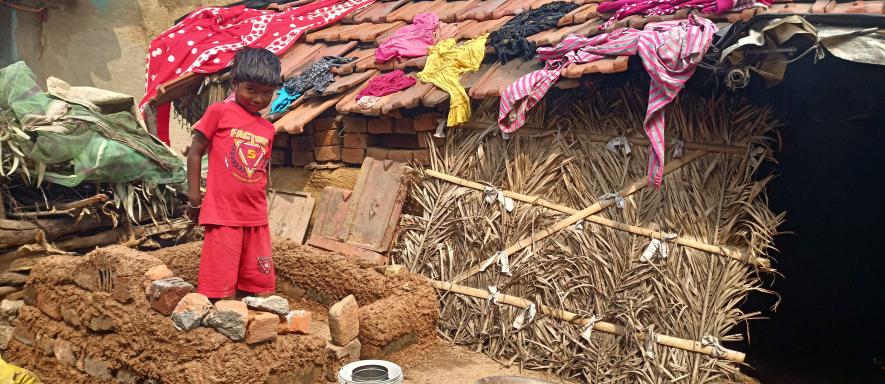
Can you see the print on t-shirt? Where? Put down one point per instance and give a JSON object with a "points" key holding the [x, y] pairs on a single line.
{"points": [[247, 154]]}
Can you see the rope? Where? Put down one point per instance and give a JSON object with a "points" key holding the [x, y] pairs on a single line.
{"points": [[21, 7]]}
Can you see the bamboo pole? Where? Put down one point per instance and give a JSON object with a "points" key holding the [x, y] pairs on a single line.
{"points": [[634, 140], [740, 255], [602, 326], [578, 216]]}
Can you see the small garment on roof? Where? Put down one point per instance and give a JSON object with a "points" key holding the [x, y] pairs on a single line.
{"points": [[625, 8], [670, 52], [409, 41], [383, 85], [445, 65], [444, 31], [315, 78], [510, 40]]}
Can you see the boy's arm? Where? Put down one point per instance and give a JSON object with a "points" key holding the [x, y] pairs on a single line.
{"points": [[194, 166]]}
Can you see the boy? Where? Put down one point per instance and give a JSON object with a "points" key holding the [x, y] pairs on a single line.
{"points": [[236, 249]]}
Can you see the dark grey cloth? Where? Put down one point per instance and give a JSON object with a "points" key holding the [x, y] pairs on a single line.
{"points": [[510, 40], [316, 77]]}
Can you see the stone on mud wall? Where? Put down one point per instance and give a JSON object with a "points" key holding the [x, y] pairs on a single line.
{"points": [[101, 323], [45, 343], [273, 304], [158, 272], [9, 309], [25, 335], [190, 311], [344, 321], [228, 317], [97, 368], [297, 321], [347, 353], [6, 334], [64, 352], [262, 327], [70, 316], [127, 376], [165, 294]]}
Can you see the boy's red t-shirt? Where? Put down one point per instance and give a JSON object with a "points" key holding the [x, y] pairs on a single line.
{"points": [[239, 148]]}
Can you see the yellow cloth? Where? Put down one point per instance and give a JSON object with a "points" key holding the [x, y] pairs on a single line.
{"points": [[10, 374], [446, 62]]}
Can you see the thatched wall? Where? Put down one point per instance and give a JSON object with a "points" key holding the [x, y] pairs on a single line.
{"points": [[717, 199]]}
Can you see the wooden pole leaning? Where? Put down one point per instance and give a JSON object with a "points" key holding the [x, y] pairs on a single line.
{"points": [[602, 326], [740, 255], [577, 216]]}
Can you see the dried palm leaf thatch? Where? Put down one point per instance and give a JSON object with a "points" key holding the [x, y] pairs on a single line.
{"points": [[595, 270]]}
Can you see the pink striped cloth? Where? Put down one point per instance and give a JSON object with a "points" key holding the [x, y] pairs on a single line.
{"points": [[670, 52], [624, 8]]}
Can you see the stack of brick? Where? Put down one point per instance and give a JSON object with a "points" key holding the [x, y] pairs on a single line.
{"points": [[327, 139], [344, 328]]}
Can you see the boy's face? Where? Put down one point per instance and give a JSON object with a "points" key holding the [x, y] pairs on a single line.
{"points": [[254, 96]]}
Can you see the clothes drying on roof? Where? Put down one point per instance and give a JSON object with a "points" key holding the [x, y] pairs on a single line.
{"points": [[383, 85], [445, 65], [254, 4], [315, 78], [409, 41], [670, 52], [444, 31], [625, 8], [510, 40], [206, 40]]}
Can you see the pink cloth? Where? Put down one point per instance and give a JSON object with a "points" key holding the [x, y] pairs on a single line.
{"points": [[625, 8], [670, 52], [386, 84], [409, 41]]}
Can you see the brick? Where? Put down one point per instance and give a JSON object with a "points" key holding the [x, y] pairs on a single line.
{"points": [[347, 353], [297, 321], [404, 141], [404, 125], [330, 153], [326, 138], [354, 124], [359, 140], [422, 156], [282, 140], [348, 250], [324, 124], [426, 122], [380, 125], [291, 290], [101, 323], [7, 333], [165, 294], [64, 352], [279, 157], [300, 158], [308, 129], [45, 343], [344, 321], [273, 304], [353, 155], [158, 272], [302, 143], [228, 317], [377, 153], [262, 327], [400, 155], [97, 368], [190, 311]]}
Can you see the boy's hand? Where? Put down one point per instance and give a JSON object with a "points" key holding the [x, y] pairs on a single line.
{"points": [[195, 201]]}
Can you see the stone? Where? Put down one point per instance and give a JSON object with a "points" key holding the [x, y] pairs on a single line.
{"points": [[394, 270], [297, 321], [9, 309], [7, 332], [6, 290], [273, 304], [228, 317], [158, 272], [165, 294], [291, 290], [70, 316], [101, 323], [29, 295], [64, 352], [45, 343], [12, 278], [344, 321], [49, 308], [127, 376], [86, 277], [24, 335], [190, 311], [262, 327], [97, 368], [347, 353], [17, 295]]}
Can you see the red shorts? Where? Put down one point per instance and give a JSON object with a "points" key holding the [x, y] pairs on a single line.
{"points": [[236, 258]]}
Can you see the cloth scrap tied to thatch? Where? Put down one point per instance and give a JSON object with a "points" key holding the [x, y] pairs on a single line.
{"points": [[525, 317], [490, 194], [493, 294], [713, 341], [619, 144], [657, 247], [616, 197], [503, 261]]}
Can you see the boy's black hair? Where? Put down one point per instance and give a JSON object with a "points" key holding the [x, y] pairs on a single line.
{"points": [[256, 65]]}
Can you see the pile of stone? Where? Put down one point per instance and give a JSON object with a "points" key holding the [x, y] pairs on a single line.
{"points": [[253, 319]]}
